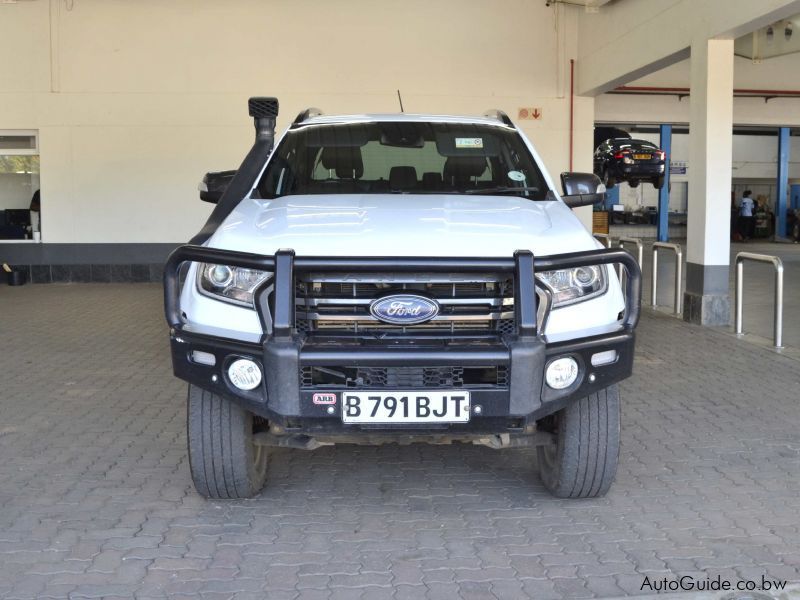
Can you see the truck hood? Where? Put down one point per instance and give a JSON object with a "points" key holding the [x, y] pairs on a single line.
{"points": [[402, 225]]}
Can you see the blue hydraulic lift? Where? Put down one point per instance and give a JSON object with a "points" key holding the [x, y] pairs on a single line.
{"points": [[612, 197], [783, 181], [665, 144]]}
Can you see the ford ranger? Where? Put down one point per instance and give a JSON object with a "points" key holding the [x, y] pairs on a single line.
{"points": [[400, 278]]}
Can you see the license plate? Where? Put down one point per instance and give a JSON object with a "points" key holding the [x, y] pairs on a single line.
{"points": [[406, 407], [642, 156]]}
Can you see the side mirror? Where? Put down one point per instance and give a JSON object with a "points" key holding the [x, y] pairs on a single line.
{"points": [[214, 185], [582, 189]]}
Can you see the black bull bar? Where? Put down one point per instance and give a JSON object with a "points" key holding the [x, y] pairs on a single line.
{"points": [[282, 353], [284, 264]]}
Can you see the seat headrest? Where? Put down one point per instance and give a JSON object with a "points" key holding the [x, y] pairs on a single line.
{"points": [[345, 160], [402, 178], [432, 180], [464, 167]]}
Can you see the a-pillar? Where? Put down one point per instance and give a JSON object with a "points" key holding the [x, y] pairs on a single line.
{"points": [[706, 297]]}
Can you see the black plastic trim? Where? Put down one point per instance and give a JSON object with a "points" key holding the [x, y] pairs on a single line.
{"points": [[525, 293], [451, 356], [282, 400], [283, 318]]}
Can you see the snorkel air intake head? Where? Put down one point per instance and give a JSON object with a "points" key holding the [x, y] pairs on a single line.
{"points": [[264, 111]]}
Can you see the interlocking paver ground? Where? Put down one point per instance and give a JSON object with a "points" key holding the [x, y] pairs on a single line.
{"points": [[96, 500]]}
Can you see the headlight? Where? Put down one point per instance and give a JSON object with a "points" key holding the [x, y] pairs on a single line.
{"points": [[231, 284], [574, 285]]}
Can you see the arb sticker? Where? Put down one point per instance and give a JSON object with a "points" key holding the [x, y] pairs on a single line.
{"points": [[324, 398], [469, 142], [516, 175]]}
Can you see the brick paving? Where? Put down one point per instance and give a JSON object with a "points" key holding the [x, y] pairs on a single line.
{"points": [[96, 500]]}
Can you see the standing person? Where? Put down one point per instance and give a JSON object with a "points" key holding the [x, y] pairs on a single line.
{"points": [[36, 206], [746, 220]]}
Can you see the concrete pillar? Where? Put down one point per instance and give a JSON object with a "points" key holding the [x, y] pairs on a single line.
{"points": [[706, 298]]}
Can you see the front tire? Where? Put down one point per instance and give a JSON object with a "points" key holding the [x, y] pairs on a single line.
{"points": [[223, 459], [583, 461]]}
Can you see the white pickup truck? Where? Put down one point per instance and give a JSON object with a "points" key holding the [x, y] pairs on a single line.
{"points": [[399, 279]]}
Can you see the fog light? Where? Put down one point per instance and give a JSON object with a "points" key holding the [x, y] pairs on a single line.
{"points": [[244, 374], [203, 358], [604, 358], [561, 373]]}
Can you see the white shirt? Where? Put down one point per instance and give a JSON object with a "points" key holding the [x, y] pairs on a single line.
{"points": [[746, 207]]}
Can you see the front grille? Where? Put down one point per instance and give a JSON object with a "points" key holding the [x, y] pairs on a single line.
{"points": [[332, 305], [401, 378]]}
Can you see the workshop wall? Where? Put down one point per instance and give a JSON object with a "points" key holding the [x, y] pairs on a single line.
{"points": [[134, 101]]}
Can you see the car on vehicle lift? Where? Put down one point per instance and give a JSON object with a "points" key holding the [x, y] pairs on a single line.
{"points": [[630, 160], [397, 279], [603, 133]]}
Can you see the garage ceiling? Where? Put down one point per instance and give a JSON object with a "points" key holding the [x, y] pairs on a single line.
{"points": [[778, 39]]}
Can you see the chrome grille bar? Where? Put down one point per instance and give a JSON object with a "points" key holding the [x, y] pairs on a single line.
{"points": [[306, 301], [467, 301]]}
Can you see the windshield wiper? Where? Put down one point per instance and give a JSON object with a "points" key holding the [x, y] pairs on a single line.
{"points": [[502, 190]]}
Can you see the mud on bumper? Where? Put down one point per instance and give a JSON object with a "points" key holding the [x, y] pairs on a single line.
{"points": [[509, 404]]}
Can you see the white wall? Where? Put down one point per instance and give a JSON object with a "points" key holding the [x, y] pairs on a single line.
{"points": [[134, 101]]}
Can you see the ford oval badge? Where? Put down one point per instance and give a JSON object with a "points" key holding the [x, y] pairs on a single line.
{"points": [[404, 309]]}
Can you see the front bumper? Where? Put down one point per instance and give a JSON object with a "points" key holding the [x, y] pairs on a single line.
{"points": [[637, 171], [286, 400]]}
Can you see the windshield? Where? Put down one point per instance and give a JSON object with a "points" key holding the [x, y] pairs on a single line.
{"points": [[621, 144], [402, 157]]}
